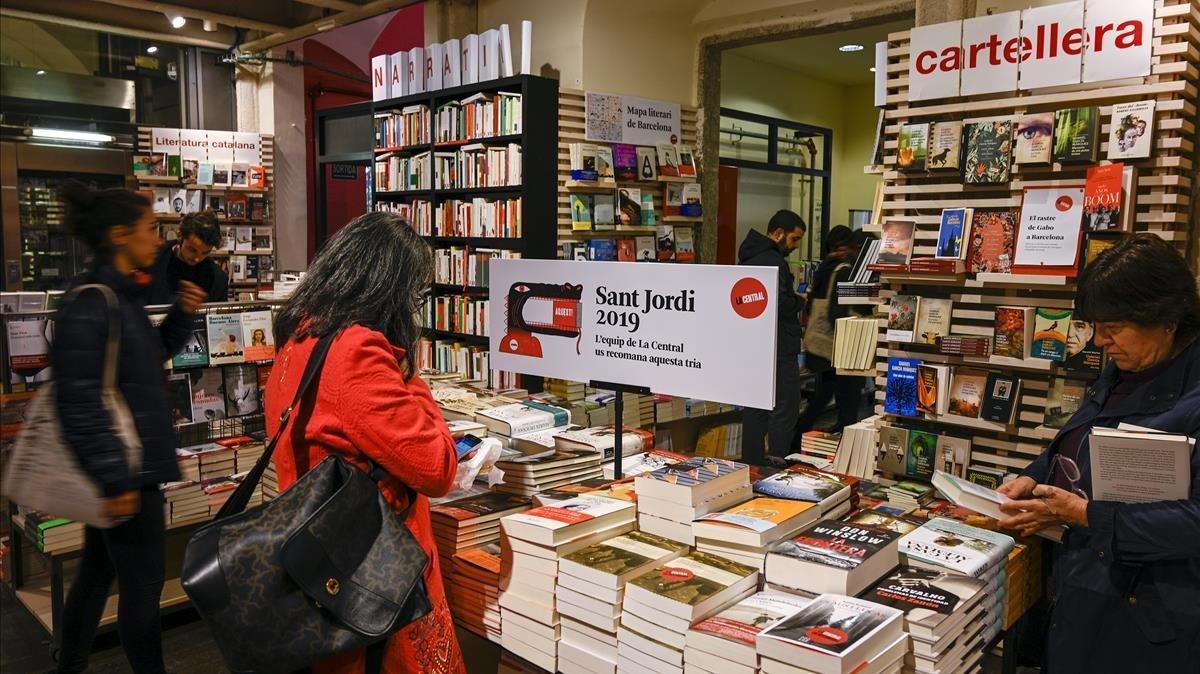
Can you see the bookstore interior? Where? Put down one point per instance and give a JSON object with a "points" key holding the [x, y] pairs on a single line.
{"points": [[957, 168]]}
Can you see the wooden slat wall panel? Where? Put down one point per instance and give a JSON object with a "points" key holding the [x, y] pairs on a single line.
{"points": [[1163, 206]]}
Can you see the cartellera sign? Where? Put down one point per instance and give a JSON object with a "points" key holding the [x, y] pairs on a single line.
{"points": [[1071, 43]]}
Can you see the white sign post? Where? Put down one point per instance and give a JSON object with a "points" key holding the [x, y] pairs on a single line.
{"points": [[613, 118]]}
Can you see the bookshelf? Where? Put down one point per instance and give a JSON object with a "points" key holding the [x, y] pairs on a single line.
{"points": [[429, 133]]}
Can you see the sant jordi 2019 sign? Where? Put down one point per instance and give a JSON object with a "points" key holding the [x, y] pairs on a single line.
{"points": [[701, 331]]}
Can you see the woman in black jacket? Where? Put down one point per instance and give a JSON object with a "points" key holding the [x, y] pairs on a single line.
{"points": [[121, 229]]}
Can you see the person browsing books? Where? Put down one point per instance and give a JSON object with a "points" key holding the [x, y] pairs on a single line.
{"points": [[784, 231], [366, 286], [1125, 586], [120, 229], [189, 259]]}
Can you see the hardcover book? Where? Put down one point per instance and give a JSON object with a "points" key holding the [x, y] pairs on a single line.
{"points": [[1076, 135], [1050, 334], [966, 392], [836, 544], [1082, 353], [647, 160], [988, 151], [944, 543], [1132, 130], [225, 343], [486, 505], [913, 147], [1013, 332], [803, 485], [933, 319], [1062, 401], [1000, 398], [953, 234], [1035, 135], [993, 242], [921, 455], [945, 145], [1103, 198], [625, 164], [242, 395], [896, 242], [902, 318], [258, 335], [900, 393], [742, 622]]}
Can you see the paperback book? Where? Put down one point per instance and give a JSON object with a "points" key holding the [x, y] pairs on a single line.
{"points": [[1013, 332], [933, 319], [896, 242], [668, 160], [1050, 334], [1000, 399], [1083, 355], [1076, 135], [966, 392], [625, 164], [691, 586], [1132, 130], [731, 633], [900, 393], [225, 342], [988, 151], [258, 335], [929, 598], [613, 562], [945, 145], [832, 625], [913, 147], [647, 160], [195, 348], [993, 242], [902, 318], [921, 454], [1103, 198], [803, 484], [1062, 401], [1035, 135], [953, 233], [944, 543]]}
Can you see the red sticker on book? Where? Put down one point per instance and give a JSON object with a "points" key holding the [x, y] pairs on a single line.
{"points": [[825, 635], [674, 574]]}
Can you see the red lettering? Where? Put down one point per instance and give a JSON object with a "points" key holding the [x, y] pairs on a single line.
{"points": [[429, 68], [975, 49], [925, 64], [1131, 34], [412, 71], [1073, 42], [1041, 42], [951, 59], [377, 76], [993, 46], [1026, 48], [1012, 50], [1053, 40], [1098, 43]]}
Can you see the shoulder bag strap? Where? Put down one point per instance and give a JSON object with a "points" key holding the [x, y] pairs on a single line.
{"points": [[112, 348], [833, 280]]}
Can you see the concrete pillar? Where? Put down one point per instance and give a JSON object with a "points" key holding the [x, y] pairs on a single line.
{"points": [[446, 19], [941, 11]]}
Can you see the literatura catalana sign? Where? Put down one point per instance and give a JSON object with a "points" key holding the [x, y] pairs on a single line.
{"points": [[701, 331]]}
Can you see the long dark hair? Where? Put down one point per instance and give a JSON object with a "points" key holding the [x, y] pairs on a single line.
{"points": [[374, 272], [92, 213]]}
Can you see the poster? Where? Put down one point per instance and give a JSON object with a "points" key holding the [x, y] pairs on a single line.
{"points": [[700, 331], [1051, 219], [613, 118]]}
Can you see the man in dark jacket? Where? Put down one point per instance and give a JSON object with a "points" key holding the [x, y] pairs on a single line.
{"points": [[784, 232], [187, 259]]}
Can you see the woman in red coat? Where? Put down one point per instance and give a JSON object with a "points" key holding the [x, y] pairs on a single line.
{"points": [[367, 284]]}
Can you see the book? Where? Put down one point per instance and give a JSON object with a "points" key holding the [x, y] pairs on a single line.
{"points": [[988, 150], [968, 494], [921, 454], [583, 162], [242, 395], [953, 234], [966, 392], [756, 522], [208, 394], [731, 633], [1050, 334], [834, 634], [522, 418], [672, 199], [896, 242], [665, 244], [1103, 198], [567, 520], [1035, 135], [993, 242], [239, 175], [933, 319], [1132, 130], [604, 211], [225, 343], [647, 160], [648, 217], [256, 178], [953, 453], [1083, 355], [488, 506], [646, 248], [581, 212], [195, 348], [685, 248], [800, 483], [626, 251], [602, 440], [258, 336], [613, 562], [691, 205], [945, 145], [1013, 332], [235, 206], [982, 475], [221, 174], [1050, 228], [1063, 399], [692, 482], [900, 391], [943, 543], [668, 160], [1000, 398], [833, 556], [1134, 465], [932, 600], [912, 147], [687, 162], [204, 174], [174, 165], [893, 445], [144, 164], [625, 163], [691, 586], [629, 207], [1076, 135], [604, 163], [902, 318], [179, 395]]}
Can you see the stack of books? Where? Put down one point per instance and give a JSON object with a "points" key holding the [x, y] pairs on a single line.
{"points": [[270, 482], [591, 587], [602, 440], [833, 557], [471, 522], [473, 590], [532, 545], [746, 531], [185, 503], [835, 635], [51, 534], [725, 643], [662, 604], [671, 497], [942, 612], [530, 474], [910, 495], [859, 450], [820, 445], [247, 455], [510, 420], [832, 493]]}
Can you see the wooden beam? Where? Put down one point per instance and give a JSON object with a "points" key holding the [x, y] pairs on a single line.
{"points": [[201, 14], [340, 5], [368, 10], [173, 38]]}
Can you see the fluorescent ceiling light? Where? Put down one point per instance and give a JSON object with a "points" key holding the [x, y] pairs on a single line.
{"points": [[66, 134], [152, 49], [177, 20], [850, 47]]}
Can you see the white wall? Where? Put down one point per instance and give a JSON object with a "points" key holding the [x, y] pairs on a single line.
{"points": [[291, 181], [557, 33]]}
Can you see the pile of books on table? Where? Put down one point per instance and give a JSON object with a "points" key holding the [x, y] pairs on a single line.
{"points": [[745, 532], [185, 503], [942, 612], [528, 475], [473, 591], [670, 498], [471, 522], [725, 642], [831, 493], [833, 557], [835, 634]]}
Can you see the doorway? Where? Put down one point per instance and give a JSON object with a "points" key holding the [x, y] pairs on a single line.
{"points": [[343, 168]]}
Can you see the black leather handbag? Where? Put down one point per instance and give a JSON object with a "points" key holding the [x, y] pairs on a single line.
{"points": [[326, 568]]}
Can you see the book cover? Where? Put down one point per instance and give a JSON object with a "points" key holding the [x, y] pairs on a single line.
{"points": [[204, 174], [258, 335], [626, 251], [993, 242], [966, 392], [235, 206], [208, 394], [927, 597], [625, 163], [960, 547], [685, 249], [257, 177], [832, 624], [902, 318], [759, 514], [239, 175], [648, 209], [743, 621], [645, 248], [1000, 397], [1062, 401], [604, 163], [933, 319], [693, 578], [668, 160], [602, 250], [1050, 334], [893, 443], [174, 165], [665, 243], [991, 478], [625, 553], [221, 174], [696, 471], [144, 164], [195, 348], [913, 147], [945, 145], [896, 242], [225, 343], [583, 162], [179, 394], [691, 206], [242, 395], [1094, 246], [988, 151], [1035, 135], [1102, 198], [1082, 355], [581, 212], [1132, 130], [647, 160], [1076, 135], [604, 211], [478, 505], [629, 210], [900, 393], [1012, 332], [672, 199], [927, 389], [953, 233], [1050, 228], [920, 458], [836, 544], [687, 162], [800, 485]]}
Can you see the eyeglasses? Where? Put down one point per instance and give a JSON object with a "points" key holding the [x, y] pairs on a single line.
{"points": [[1070, 470]]}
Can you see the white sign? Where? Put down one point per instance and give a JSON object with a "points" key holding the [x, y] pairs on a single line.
{"points": [[1055, 46], [1051, 220], [613, 118], [702, 331], [211, 146]]}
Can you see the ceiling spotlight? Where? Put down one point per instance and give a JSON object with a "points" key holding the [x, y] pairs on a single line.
{"points": [[850, 47], [177, 20], [40, 72], [210, 26], [872, 68], [152, 49]]}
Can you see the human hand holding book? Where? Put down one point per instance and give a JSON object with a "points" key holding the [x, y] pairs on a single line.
{"points": [[1016, 505]]}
